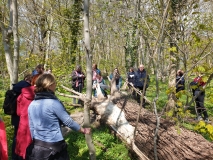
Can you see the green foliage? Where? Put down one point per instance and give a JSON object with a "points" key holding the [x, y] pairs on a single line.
{"points": [[107, 146], [205, 129]]}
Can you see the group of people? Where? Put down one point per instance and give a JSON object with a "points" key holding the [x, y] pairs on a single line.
{"points": [[78, 78], [140, 80], [38, 119], [197, 86], [37, 122]]}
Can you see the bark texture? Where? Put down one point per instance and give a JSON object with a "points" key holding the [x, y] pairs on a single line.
{"points": [[172, 143]]}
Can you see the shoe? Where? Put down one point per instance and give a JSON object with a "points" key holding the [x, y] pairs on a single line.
{"points": [[206, 120], [199, 118]]}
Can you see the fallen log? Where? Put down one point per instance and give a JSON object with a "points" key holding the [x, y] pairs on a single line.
{"points": [[173, 143]]}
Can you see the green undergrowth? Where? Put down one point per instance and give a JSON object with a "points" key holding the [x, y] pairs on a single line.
{"points": [[107, 146]]}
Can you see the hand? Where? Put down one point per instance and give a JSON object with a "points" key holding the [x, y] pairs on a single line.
{"points": [[85, 130]]}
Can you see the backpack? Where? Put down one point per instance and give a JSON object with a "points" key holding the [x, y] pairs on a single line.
{"points": [[10, 102]]}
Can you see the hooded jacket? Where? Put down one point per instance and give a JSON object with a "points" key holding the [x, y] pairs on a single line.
{"points": [[23, 138]]}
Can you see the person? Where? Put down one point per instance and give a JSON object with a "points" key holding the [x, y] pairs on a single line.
{"points": [[131, 77], [118, 79], [94, 73], [23, 138], [140, 77], [78, 78], [199, 92], [40, 70], [15, 119], [180, 81], [99, 80], [46, 114], [3, 142]]}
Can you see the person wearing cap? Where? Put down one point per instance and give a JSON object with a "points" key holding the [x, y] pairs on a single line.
{"points": [[78, 78]]}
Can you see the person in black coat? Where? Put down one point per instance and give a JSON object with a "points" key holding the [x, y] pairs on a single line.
{"points": [[180, 81], [131, 79], [140, 77]]}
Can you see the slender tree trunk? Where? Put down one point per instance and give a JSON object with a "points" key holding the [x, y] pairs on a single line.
{"points": [[173, 59], [16, 41], [12, 61], [87, 103]]}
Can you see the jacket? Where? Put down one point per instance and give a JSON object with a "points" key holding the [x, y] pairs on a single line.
{"points": [[3, 142], [17, 88], [76, 79], [23, 138], [45, 114], [140, 79], [180, 83], [131, 77]]}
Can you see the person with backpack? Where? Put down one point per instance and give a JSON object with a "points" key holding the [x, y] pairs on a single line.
{"points": [[23, 138], [46, 114], [78, 78], [15, 119]]}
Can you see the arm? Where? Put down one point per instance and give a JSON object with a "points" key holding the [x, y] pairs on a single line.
{"points": [[62, 114], [74, 76], [18, 109], [30, 124]]}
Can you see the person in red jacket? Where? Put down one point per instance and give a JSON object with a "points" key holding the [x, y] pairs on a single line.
{"points": [[23, 138], [3, 142], [199, 92]]}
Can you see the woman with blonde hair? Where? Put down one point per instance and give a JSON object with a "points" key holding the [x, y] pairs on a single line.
{"points": [[46, 114]]}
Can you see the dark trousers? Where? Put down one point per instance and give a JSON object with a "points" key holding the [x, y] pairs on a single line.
{"points": [[40, 150], [79, 89], [200, 104], [138, 97]]}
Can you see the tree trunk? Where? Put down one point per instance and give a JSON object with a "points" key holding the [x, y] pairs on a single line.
{"points": [[87, 102], [173, 143], [12, 61]]}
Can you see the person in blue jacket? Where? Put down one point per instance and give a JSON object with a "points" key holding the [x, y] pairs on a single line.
{"points": [[140, 77], [46, 114]]}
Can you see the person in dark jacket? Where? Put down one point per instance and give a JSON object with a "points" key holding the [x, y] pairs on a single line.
{"points": [[78, 78], [180, 81], [198, 91], [140, 77], [15, 118], [131, 78]]}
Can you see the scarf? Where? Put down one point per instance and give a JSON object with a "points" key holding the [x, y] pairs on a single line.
{"points": [[45, 95]]}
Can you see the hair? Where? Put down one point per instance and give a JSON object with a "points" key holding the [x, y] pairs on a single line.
{"points": [[28, 77], [43, 82], [40, 66]]}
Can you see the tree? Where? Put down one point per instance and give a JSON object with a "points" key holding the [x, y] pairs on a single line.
{"points": [[87, 103], [9, 30]]}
